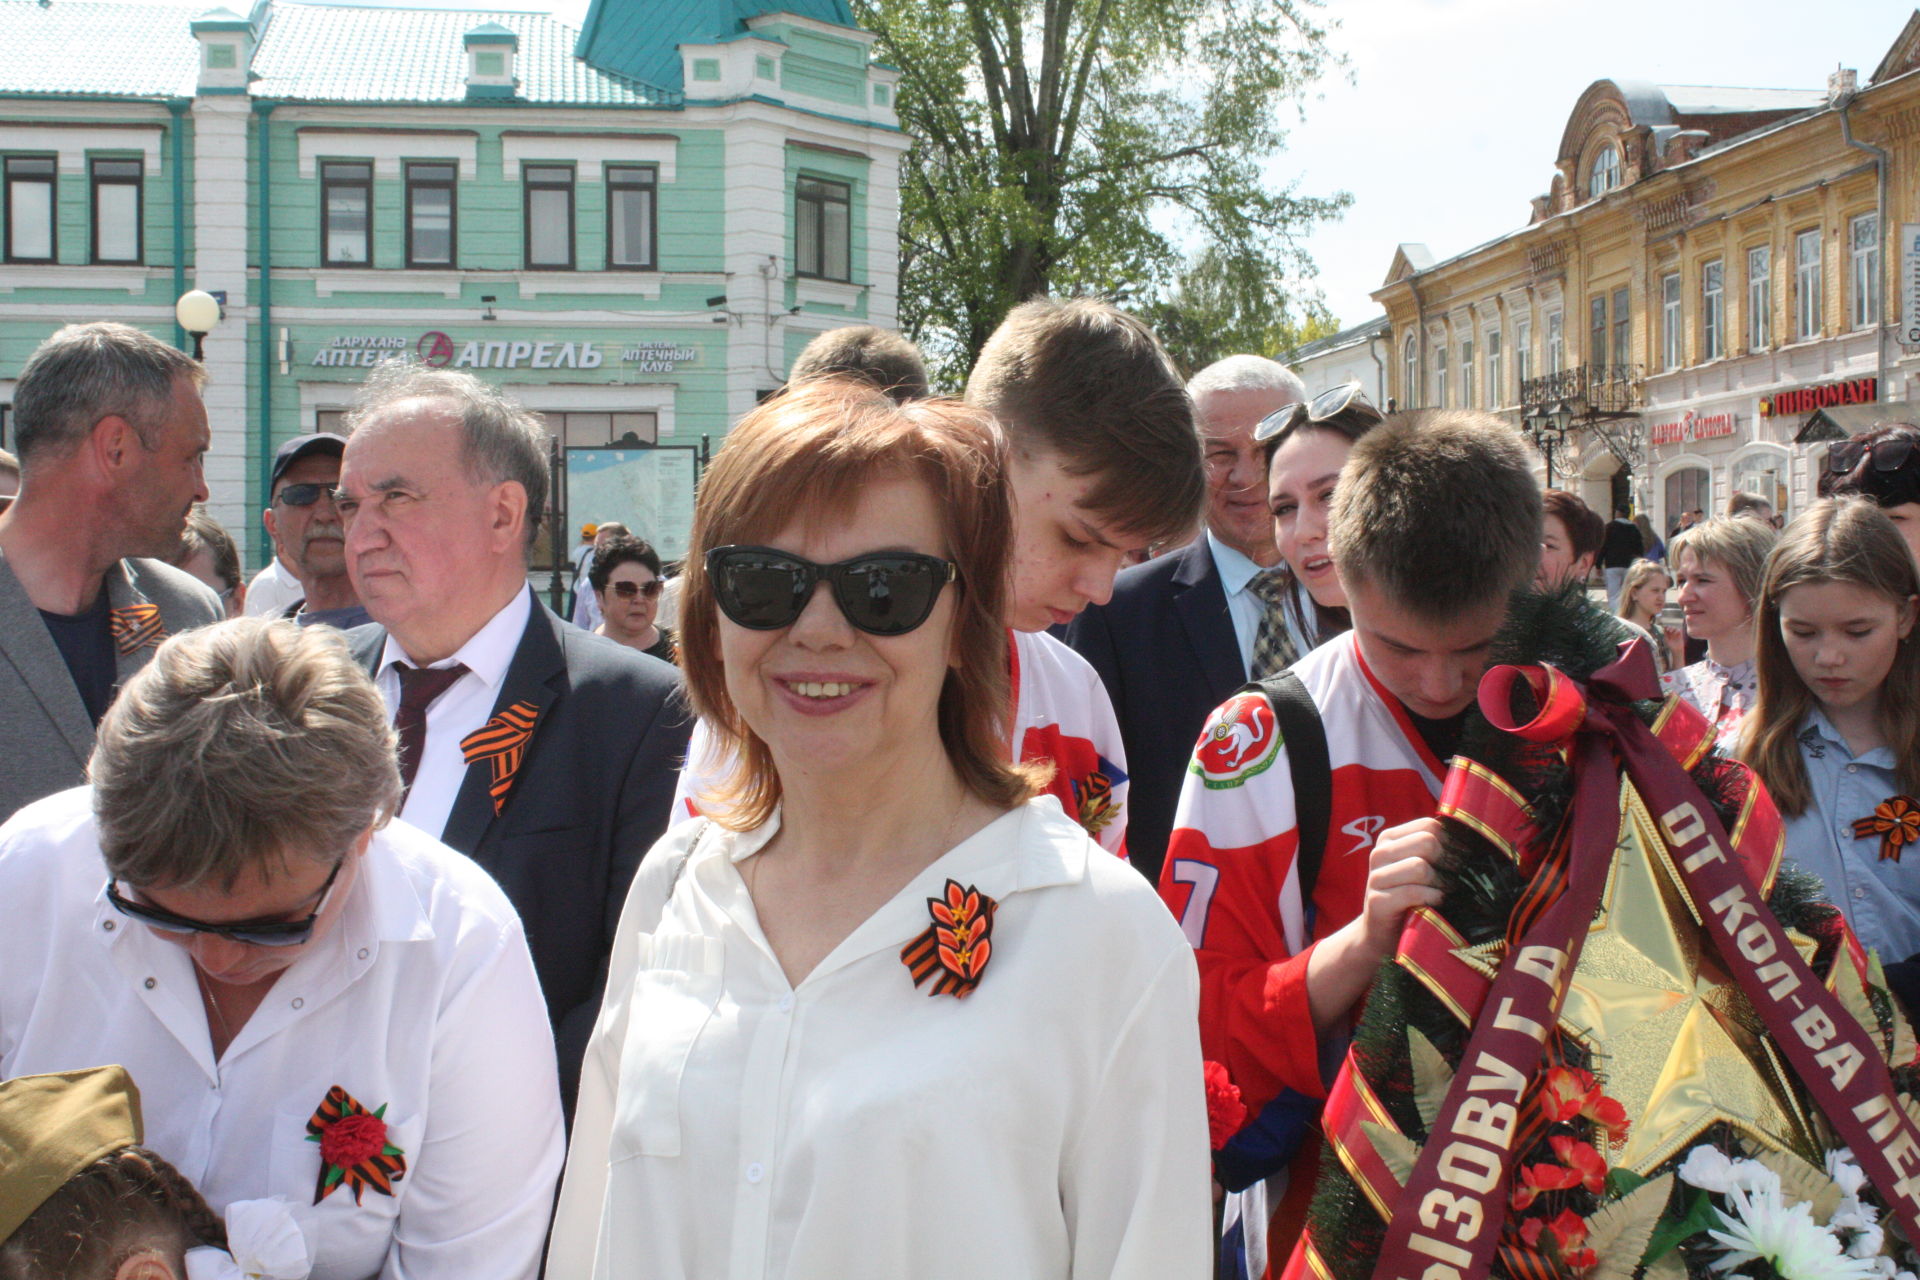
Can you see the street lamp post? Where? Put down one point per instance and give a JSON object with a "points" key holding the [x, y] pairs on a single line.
{"points": [[197, 311]]}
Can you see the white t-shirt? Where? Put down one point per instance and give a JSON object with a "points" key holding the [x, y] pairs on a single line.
{"points": [[420, 999], [1051, 1124], [272, 590]]}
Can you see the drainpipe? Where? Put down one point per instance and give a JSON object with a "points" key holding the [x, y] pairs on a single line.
{"points": [[264, 330], [179, 107], [1845, 104], [1373, 349], [1420, 326]]}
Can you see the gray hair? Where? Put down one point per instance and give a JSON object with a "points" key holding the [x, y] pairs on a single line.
{"points": [[1246, 373], [239, 747], [87, 372], [500, 440]]}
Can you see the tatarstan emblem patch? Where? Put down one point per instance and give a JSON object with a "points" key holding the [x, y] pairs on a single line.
{"points": [[1239, 742]]}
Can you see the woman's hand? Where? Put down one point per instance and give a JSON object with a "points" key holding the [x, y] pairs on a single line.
{"points": [[1400, 877]]}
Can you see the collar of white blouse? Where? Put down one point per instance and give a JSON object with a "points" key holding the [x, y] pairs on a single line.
{"points": [[1008, 856], [383, 906]]}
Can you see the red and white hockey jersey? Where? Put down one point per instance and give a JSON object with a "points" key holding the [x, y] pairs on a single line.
{"points": [[1061, 713]]}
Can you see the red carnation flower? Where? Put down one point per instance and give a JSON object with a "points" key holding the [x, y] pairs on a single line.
{"points": [[350, 1140], [1225, 1112]]}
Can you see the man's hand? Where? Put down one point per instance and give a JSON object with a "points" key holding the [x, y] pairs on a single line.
{"points": [[1400, 877]]}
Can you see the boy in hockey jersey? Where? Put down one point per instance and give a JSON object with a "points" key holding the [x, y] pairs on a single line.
{"points": [[1104, 461], [1435, 522]]}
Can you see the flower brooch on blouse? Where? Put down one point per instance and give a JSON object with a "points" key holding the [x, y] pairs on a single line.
{"points": [[1896, 820], [956, 946], [353, 1147]]}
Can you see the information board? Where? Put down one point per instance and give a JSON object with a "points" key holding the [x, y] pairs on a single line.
{"points": [[648, 490]]}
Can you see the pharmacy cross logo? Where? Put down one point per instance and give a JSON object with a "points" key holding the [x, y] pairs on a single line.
{"points": [[434, 349]]}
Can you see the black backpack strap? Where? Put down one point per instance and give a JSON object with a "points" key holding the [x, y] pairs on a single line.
{"points": [[1305, 738]]}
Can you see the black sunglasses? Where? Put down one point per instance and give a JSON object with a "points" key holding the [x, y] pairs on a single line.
{"points": [[628, 590], [1890, 454], [302, 495], [268, 933], [888, 593], [1330, 403]]}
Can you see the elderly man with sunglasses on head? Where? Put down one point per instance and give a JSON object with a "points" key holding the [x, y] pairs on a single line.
{"points": [[308, 535], [317, 1005]]}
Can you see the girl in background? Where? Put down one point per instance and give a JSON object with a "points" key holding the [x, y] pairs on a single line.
{"points": [[1642, 595]]}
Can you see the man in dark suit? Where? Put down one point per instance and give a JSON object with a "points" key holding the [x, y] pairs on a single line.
{"points": [[1180, 633], [547, 754]]}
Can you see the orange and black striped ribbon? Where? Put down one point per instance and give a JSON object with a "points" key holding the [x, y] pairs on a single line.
{"points": [[502, 742], [1896, 820], [135, 626], [379, 1172], [955, 948]]}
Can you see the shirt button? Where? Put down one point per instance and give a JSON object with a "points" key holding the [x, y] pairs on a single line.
{"points": [[363, 953], [755, 1172], [107, 925], [1859, 891], [151, 984], [1853, 768], [298, 1002], [786, 1003]]}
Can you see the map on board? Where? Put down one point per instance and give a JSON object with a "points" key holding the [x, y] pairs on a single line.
{"points": [[648, 490]]}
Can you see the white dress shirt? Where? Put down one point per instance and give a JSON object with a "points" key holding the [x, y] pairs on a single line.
{"points": [[272, 590], [465, 706], [421, 998], [1051, 1124], [1247, 609]]}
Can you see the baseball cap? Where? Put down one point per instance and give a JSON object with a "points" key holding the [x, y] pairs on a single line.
{"points": [[588, 530], [301, 446]]}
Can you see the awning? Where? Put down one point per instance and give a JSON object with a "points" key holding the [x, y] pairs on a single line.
{"points": [[1841, 421]]}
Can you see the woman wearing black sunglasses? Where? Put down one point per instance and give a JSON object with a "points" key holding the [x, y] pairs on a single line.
{"points": [[885, 1011], [626, 579], [316, 1006], [1883, 465]]}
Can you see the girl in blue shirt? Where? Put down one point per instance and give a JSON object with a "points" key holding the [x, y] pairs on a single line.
{"points": [[1835, 733]]}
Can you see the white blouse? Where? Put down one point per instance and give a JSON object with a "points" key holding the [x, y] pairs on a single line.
{"points": [[1051, 1124], [421, 998]]}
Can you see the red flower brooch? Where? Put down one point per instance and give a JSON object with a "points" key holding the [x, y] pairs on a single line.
{"points": [[353, 1147], [955, 946], [1896, 820]]}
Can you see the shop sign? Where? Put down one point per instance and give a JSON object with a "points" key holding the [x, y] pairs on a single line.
{"points": [[529, 355], [438, 350], [658, 357], [1692, 426], [360, 352], [1910, 275], [1823, 395]]}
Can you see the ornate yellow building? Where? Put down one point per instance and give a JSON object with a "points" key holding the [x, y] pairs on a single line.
{"points": [[1713, 273]]}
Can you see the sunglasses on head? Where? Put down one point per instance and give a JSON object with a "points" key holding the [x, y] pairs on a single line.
{"points": [[267, 933], [302, 495], [1330, 403], [628, 590], [1890, 454], [887, 593]]}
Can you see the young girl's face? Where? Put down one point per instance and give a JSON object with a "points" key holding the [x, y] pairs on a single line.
{"points": [[1842, 638], [1651, 596]]}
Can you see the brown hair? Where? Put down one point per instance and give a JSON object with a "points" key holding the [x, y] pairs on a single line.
{"points": [[809, 453], [1086, 382], [1835, 540], [120, 1204], [1439, 509], [878, 357], [204, 533], [1585, 529], [86, 372], [1745, 503]]}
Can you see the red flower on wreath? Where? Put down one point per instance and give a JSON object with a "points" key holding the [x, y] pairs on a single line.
{"points": [[1580, 1166], [354, 1147], [1570, 1093], [1568, 1232], [1225, 1111]]}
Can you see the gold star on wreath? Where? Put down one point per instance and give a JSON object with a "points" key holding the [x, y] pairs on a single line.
{"points": [[1672, 1038]]}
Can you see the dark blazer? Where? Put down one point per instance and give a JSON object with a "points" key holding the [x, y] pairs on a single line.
{"points": [[593, 793], [1164, 646]]}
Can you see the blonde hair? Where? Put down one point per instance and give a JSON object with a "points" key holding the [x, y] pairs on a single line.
{"points": [[239, 747], [1637, 574], [1738, 544], [1835, 540]]}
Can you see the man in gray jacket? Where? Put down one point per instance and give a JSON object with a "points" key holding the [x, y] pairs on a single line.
{"points": [[110, 432]]}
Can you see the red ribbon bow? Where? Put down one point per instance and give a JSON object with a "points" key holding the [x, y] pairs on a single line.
{"points": [[1896, 820], [135, 626], [502, 741], [956, 945]]}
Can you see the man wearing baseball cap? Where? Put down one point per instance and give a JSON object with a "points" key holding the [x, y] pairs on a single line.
{"points": [[307, 534]]}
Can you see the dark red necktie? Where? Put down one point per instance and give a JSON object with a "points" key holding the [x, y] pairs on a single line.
{"points": [[419, 686]]}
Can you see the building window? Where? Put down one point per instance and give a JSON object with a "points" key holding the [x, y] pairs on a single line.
{"points": [[1523, 351], [1687, 490], [1466, 372], [1670, 320], [346, 214], [549, 212], [1759, 298], [1496, 390], [1556, 343], [1410, 372], [630, 216], [1806, 285], [1439, 377], [116, 210], [1622, 325], [822, 229], [430, 215], [1863, 240], [330, 420], [1597, 329], [604, 430], [30, 225], [1604, 174], [1713, 310]]}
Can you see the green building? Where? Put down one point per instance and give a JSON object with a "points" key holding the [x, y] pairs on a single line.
{"points": [[631, 227]]}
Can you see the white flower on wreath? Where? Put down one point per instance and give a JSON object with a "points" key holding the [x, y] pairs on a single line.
{"points": [[1760, 1227], [1713, 1170], [1847, 1175]]}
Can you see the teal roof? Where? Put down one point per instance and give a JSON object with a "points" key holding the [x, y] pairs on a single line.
{"points": [[641, 38], [74, 47]]}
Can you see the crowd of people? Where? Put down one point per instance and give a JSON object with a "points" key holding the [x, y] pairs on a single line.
{"points": [[970, 861]]}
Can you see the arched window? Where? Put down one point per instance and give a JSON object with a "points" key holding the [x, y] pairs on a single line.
{"points": [[1410, 373], [1604, 174]]}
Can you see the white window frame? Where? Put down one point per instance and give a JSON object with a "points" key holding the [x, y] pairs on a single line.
{"points": [[1522, 352], [1466, 373], [1410, 371], [1672, 349], [1807, 285], [1440, 376], [1603, 175], [1863, 251], [1496, 366], [1759, 297], [1556, 342], [1713, 309]]}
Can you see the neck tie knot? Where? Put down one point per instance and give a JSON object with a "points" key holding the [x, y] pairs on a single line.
{"points": [[419, 686]]}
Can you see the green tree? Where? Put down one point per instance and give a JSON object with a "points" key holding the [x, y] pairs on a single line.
{"points": [[1219, 306], [1056, 141]]}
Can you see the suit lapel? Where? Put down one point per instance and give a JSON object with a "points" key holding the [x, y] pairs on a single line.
{"points": [[137, 628], [535, 680], [29, 648], [1201, 601]]}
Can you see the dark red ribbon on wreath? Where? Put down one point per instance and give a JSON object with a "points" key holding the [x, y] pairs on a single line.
{"points": [[1447, 1220], [1896, 820]]}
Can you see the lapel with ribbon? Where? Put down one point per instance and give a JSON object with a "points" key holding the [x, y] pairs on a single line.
{"points": [[497, 753], [134, 621]]}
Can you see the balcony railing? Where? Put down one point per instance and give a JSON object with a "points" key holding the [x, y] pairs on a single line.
{"points": [[1587, 390]]}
